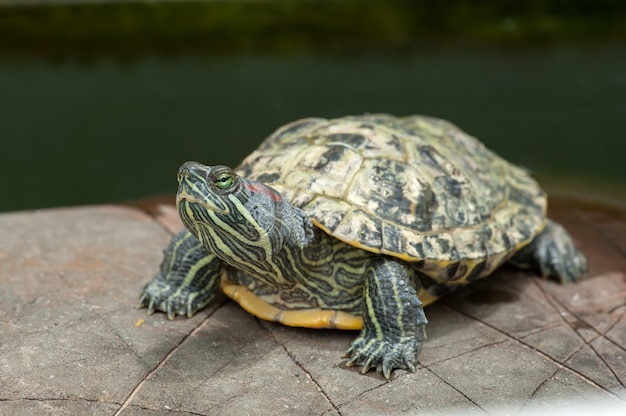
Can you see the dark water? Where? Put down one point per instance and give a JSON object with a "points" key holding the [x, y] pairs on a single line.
{"points": [[112, 130]]}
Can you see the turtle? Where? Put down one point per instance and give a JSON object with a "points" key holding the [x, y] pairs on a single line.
{"points": [[356, 223]]}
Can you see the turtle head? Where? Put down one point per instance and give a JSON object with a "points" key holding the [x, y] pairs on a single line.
{"points": [[205, 188], [229, 213]]}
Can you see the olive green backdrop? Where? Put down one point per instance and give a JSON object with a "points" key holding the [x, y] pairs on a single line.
{"points": [[103, 103]]}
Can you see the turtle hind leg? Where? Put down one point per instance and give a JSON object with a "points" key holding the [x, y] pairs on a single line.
{"points": [[552, 253], [187, 280]]}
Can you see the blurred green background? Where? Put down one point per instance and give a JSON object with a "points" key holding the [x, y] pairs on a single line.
{"points": [[102, 102]]}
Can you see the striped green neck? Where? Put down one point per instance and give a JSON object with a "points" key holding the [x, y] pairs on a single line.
{"points": [[274, 248]]}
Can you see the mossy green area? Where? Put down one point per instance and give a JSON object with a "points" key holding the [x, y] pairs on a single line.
{"points": [[102, 102], [285, 26]]}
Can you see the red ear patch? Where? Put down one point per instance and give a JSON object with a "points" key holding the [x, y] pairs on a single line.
{"points": [[259, 188]]}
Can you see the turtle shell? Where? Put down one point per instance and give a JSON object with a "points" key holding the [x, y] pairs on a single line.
{"points": [[416, 187]]}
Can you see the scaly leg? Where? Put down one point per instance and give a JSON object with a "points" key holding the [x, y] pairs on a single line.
{"points": [[393, 320], [187, 280], [552, 253]]}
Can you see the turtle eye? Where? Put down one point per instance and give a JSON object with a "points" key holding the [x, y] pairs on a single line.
{"points": [[224, 180]]}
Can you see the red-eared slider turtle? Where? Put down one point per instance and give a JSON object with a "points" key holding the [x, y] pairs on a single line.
{"points": [[356, 223]]}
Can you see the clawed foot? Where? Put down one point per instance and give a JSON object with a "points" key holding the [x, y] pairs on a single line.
{"points": [[159, 295], [187, 279], [383, 355], [559, 256], [553, 253]]}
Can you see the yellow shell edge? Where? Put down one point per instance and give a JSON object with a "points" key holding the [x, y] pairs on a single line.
{"points": [[307, 318]]}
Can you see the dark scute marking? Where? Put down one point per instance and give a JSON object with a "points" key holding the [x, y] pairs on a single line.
{"points": [[427, 244], [331, 221], [268, 177], [392, 239], [520, 197], [333, 154], [371, 237], [475, 273], [388, 191], [444, 244], [453, 187], [388, 173], [389, 188], [419, 249], [487, 232], [427, 153], [432, 201], [427, 205], [452, 270], [396, 143], [354, 140]]}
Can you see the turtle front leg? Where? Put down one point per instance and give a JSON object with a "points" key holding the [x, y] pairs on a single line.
{"points": [[187, 280], [553, 254], [393, 320]]}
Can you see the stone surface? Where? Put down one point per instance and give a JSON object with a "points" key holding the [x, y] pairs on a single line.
{"points": [[73, 342]]}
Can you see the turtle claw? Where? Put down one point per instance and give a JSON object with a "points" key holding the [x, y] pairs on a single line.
{"points": [[171, 313], [386, 370], [160, 296], [367, 365], [351, 362], [384, 355], [146, 301]]}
